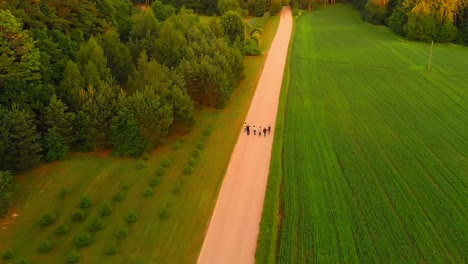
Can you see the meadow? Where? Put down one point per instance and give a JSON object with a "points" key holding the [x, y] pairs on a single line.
{"points": [[372, 164], [95, 208]]}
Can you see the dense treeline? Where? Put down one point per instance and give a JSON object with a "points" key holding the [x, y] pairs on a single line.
{"points": [[212, 7], [437, 20], [84, 75]]}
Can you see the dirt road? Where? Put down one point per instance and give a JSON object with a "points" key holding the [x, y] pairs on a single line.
{"points": [[232, 233]]}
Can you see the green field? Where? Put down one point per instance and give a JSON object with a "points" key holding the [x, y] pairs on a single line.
{"points": [[375, 148], [171, 222]]}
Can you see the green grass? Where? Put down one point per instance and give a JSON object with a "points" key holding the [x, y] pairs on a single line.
{"points": [[375, 152], [170, 227]]}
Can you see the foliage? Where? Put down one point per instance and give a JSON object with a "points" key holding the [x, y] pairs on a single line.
{"points": [[6, 191], [84, 239], [155, 181], [161, 171], [22, 147], [47, 218], [78, 215], [106, 209], [20, 58], [119, 196], [140, 164], [251, 47], [63, 193], [233, 26], [257, 7], [229, 5], [131, 217], [375, 11], [126, 136], [96, 224], [45, 247], [86, 202], [61, 229], [162, 11], [148, 192], [73, 257], [57, 148], [111, 250], [121, 232], [8, 254]]}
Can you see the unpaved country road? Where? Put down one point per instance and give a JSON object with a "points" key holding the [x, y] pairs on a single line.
{"points": [[232, 233]]}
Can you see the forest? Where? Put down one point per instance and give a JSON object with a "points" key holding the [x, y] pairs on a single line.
{"points": [[89, 75]]}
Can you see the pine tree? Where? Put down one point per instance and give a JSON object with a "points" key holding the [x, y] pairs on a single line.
{"points": [[23, 148], [125, 136], [57, 148], [59, 120]]}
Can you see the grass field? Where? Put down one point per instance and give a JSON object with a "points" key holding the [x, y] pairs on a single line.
{"points": [[171, 222], [375, 148]]}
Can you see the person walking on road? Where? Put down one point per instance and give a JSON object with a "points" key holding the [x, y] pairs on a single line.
{"points": [[255, 130], [269, 129], [260, 131], [248, 129], [264, 131], [245, 127]]}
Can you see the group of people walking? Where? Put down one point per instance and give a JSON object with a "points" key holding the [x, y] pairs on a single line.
{"points": [[255, 129]]}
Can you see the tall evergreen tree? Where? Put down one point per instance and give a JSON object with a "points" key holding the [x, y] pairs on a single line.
{"points": [[126, 137], [58, 119], [22, 141], [56, 147]]}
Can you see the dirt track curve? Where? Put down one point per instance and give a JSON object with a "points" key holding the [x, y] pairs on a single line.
{"points": [[232, 233]]}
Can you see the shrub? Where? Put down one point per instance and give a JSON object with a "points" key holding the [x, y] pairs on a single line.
{"points": [[188, 169], [73, 257], [251, 47], [161, 171], [166, 162], [22, 261], [61, 229], [96, 224], [45, 247], [8, 254], [145, 156], [148, 192], [207, 132], [165, 211], [124, 186], [196, 153], [192, 161], [140, 164], [200, 145], [105, 210], [47, 219], [176, 145], [78, 215], [131, 217], [111, 251], [121, 232], [177, 189], [85, 202], [118, 197], [63, 193], [84, 239], [155, 181]]}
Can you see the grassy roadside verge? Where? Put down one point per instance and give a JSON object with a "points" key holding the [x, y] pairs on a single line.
{"points": [[271, 216]]}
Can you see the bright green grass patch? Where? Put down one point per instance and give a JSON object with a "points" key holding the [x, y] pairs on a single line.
{"points": [[169, 228], [375, 150]]}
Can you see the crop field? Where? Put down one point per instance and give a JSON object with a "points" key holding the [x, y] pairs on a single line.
{"points": [[95, 208], [375, 152]]}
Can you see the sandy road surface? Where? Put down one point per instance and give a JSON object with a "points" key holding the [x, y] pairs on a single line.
{"points": [[232, 233]]}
